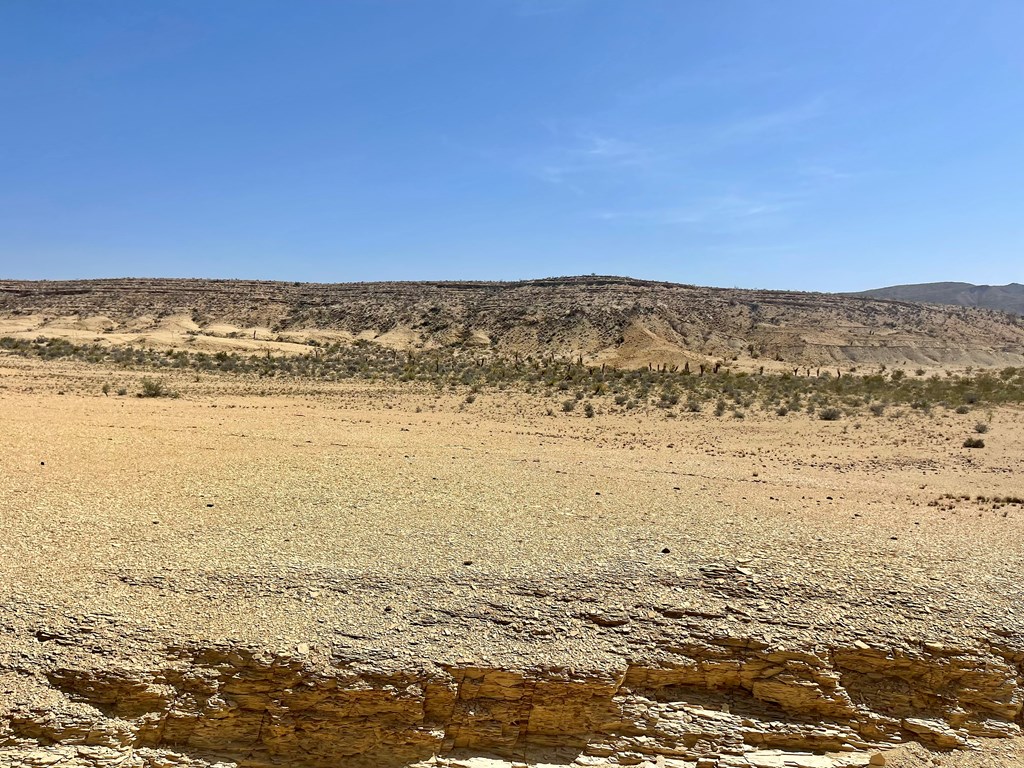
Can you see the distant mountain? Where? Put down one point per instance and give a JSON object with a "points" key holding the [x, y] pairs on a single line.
{"points": [[1007, 298]]}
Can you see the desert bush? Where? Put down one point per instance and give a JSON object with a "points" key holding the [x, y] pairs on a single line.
{"points": [[830, 414], [155, 388], [974, 442], [877, 409], [588, 410], [961, 409], [981, 428], [568, 405]]}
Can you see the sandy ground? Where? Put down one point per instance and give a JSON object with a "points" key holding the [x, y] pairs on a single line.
{"points": [[288, 513], [343, 477]]}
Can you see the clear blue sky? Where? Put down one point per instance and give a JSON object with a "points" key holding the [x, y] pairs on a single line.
{"points": [[818, 145]]}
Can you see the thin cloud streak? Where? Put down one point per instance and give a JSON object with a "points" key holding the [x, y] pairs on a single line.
{"points": [[776, 121], [715, 211], [579, 159]]}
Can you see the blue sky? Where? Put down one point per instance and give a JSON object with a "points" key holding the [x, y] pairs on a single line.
{"points": [[819, 145]]}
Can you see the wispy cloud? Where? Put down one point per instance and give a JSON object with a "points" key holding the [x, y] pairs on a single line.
{"points": [[775, 121], [732, 211], [579, 157], [815, 172], [590, 155], [611, 148], [716, 75]]}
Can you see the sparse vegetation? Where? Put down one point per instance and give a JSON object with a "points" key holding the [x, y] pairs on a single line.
{"points": [[826, 396], [974, 442], [830, 414], [155, 388]]}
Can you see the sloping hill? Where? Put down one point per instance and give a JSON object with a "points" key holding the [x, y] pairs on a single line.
{"points": [[1005, 298], [614, 320]]}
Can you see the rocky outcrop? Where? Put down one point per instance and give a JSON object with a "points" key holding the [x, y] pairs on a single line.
{"points": [[723, 701], [614, 320]]}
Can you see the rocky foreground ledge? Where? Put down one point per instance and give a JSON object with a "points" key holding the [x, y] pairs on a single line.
{"points": [[93, 691]]}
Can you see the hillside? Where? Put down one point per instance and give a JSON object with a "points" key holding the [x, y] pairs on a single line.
{"points": [[1004, 298], [613, 320]]}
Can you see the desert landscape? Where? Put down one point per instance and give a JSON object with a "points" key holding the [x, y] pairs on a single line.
{"points": [[576, 522]]}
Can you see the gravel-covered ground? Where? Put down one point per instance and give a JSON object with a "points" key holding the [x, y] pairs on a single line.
{"points": [[407, 526]]}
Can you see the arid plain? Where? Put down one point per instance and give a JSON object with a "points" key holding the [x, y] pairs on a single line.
{"points": [[292, 570]]}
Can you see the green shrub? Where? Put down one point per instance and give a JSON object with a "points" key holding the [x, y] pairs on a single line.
{"points": [[155, 388]]}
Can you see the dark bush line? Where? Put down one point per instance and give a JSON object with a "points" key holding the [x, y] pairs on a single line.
{"points": [[665, 387]]}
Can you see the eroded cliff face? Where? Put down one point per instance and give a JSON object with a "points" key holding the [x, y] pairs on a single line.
{"points": [[719, 701], [614, 320]]}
